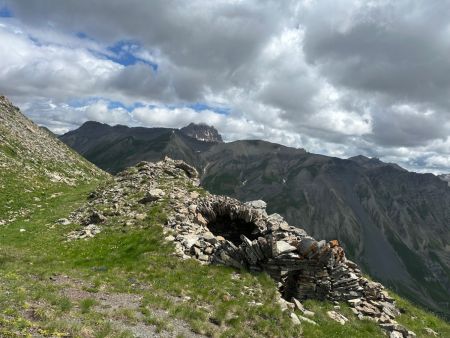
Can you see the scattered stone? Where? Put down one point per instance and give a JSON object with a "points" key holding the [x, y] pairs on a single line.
{"points": [[140, 217], [152, 196], [307, 320], [63, 221], [430, 331], [341, 319], [87, 232], [295, 319], [395, 334]]}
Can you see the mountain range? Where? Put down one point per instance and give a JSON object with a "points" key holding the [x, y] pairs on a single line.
{"points": [[87, 254], [394, 223]]}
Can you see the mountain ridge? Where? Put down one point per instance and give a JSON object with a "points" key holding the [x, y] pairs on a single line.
{"points": [[379, 211], [89, 255]]}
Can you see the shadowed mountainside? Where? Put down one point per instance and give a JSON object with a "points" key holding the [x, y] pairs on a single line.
{"points": [[395, 223]]}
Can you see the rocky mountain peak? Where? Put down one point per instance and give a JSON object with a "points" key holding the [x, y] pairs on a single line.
{"points": [[202, 132]]}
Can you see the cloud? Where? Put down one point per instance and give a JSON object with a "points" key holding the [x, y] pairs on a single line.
{"points": [[370, 77]]}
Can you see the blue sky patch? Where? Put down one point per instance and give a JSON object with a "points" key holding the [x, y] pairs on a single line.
{"points": [[78, 103], [123, 52], [5, 12], [81, 35], [199, 106]]}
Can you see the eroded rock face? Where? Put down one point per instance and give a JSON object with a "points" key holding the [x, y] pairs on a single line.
{"points": [[221, 230]]}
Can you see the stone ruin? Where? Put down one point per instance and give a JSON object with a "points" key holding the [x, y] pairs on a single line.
{"points": [[222, 230], [303, 267]]}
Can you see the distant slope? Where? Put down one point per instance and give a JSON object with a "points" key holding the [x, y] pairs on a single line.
{"points": [[395, 223], [33, 160], [118, 147]]}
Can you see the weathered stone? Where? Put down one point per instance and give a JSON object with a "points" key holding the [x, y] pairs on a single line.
{"points": [[190, 240], [194, 194], [295, 319], [395, 334], [307, 320], [200, 219], [430, 332], [63, 221], [259, 204], [341, 319], [282, 247], [152, 195], [354, 302]]}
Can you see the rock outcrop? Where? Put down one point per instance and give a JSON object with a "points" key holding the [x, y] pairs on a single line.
{"points": [[202, 132], [222, 230]]}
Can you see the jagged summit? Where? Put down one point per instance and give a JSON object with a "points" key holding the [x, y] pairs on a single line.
{"points": [[202, 132]]}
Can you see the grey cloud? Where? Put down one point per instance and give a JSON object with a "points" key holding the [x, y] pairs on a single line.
{"points": [[209, 35], [393, 128], [400, 49], [355, 61]]}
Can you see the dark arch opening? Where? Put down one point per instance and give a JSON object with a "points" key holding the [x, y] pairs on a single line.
{"points": [[233, 229]]}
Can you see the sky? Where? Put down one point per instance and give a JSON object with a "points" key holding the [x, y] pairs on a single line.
{"points": [[339, 78]]}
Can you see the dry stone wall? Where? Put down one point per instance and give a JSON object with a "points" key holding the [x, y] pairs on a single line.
{"points": [[222, 230]]}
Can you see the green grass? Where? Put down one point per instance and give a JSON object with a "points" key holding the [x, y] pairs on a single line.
{"points": [[417, 319], [328, 328], [136, 261], [86, 305]]}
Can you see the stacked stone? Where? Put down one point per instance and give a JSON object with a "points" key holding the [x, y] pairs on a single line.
{"points": [[303, 267]]}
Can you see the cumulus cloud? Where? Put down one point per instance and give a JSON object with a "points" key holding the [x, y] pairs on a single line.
{"points": [[336, 77]]}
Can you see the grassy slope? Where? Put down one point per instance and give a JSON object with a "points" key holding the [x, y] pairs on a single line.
{"points": [[138, 262], [50, 287]]}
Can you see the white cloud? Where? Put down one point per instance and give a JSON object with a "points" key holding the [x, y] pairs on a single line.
{"points": [[371, 78]]}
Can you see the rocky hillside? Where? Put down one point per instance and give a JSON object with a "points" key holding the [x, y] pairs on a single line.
{"points": [[32, 159], [395, 223]]}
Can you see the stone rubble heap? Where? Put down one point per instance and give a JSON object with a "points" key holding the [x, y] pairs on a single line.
{"points": [[223, 230]]}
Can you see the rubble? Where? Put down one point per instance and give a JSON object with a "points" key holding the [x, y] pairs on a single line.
{"points": [[222, 230]]}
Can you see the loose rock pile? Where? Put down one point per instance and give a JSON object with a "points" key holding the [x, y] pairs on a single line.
{"points": [[223, 230]]}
